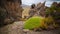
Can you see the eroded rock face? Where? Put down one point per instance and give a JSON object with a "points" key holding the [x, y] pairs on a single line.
{"points": [[41, 9], [32, 10], [55, 3], [12, 10], [38, 10]]}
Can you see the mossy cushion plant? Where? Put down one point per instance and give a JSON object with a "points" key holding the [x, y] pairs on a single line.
{"points": [[34, 22]]}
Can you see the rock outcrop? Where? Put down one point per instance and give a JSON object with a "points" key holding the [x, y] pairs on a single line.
{"points": [[41, 9], [32, 10], [12, 10], [38, 10]]}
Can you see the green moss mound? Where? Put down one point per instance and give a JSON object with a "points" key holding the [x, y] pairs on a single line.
{"points": [[34, 22]]}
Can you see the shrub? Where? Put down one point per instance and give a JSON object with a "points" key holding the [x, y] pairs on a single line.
{"points": [[34, 22], [50, 21], [54, 11]]}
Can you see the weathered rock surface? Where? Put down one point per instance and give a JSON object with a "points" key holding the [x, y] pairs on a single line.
{"points": [[10, 11], [15, 28]]}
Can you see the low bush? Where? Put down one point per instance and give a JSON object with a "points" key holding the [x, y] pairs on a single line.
{"points": [[50, 21]]}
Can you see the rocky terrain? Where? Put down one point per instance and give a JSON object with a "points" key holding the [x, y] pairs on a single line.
{"points": [[17, 28], [12, 13]]}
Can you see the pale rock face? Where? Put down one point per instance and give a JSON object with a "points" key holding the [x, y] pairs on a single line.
{"points": [[39, 10]]}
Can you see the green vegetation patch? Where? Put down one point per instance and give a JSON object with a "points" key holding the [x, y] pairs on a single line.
{"points": [[33, 22]]}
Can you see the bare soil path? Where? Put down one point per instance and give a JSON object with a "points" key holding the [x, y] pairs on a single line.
{"points": [[17, 28]]}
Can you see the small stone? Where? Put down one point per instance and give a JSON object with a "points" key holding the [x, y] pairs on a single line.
{"points": [[25, 30]]}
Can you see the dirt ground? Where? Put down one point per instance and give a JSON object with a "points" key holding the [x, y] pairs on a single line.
{"points": [[17, 28]]}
